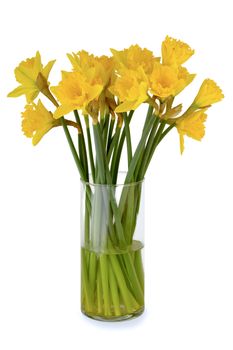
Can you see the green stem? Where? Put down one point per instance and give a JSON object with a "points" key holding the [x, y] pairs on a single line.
{"points": [[147, 150], [139, 267], [114, 291], [73, 150], [138, 167], [166, 131], [82, 144], [158, 138], [115, 165], [133, 278], [139, 149], [128, 217], [129, 301], [90, 151], [105, 130], [155, 144], [96, 218], [110, 131], [99, 292], [105, 283], [99, 152], [134, 163], [113, 146], [148, 115], [83, 177], [87, 216], [101, 122], [106, 176], [128, 138], [92, 274], [86, 289], [82, 157]]}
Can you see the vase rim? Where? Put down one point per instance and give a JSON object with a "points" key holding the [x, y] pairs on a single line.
{"points": [[121, 183]]}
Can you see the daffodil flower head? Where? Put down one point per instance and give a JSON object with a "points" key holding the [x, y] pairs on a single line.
{"points": [[192, 126], [168, 81], [37, 121], [131, 89], [75, 91], [134, 57], [81, 61], [208, 94], [100, 69], [27, 73], [163, 81], [175, 52]]}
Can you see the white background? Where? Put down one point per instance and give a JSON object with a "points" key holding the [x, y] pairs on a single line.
{"points": [[189, 199]]}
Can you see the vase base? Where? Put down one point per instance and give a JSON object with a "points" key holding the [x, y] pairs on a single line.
{"points": [[115, 318]]}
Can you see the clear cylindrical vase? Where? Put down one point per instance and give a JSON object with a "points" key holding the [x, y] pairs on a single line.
{"points": [[112, 242]]}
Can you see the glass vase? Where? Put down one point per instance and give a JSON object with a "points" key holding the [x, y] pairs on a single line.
{"points": [[112, 243]]}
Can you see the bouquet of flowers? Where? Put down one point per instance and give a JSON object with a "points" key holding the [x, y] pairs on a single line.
{"points": [[98, 98]]}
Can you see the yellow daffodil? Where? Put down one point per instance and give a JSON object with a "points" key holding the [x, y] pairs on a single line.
{"points": [[74, 92], [27, 73], [37, 121], [131, 89], [175, 52], [163, 81], [168, 81], [98, 69], [191, 126], [208, 94], [81, 61], [134, 57]]}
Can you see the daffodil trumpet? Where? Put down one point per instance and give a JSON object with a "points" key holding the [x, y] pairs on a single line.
{"points": [[101, 94]]}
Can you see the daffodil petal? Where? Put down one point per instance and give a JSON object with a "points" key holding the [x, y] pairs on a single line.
{"points": [[39, 134], [22, 77], [31, 95], [46, 70], [181, 143], [125, 107], [63, 110], [20, 90]]}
